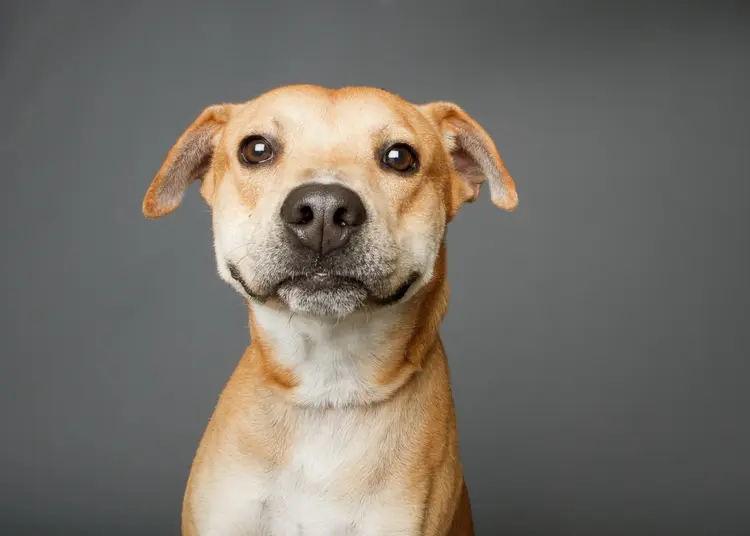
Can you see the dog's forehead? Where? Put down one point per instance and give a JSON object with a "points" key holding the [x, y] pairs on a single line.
{"points": [[313, 109]]}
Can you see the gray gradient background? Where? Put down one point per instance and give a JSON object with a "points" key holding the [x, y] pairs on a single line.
{"points": [[598, 337]]}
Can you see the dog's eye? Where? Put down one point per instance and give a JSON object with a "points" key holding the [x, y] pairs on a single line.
{"points": [[256, 150], [400, 157]]}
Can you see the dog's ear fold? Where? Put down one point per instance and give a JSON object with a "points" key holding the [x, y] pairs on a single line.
{"points": [[188, 160], [474, 156]]}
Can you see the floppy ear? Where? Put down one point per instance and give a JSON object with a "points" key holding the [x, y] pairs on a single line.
{"points": [[189, 159], [474, 155]]}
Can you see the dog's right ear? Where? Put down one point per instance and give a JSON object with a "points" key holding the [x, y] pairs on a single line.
{"points": [[188, 160], [475, 158]]}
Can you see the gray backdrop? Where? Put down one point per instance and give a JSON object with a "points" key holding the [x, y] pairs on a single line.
{"points": [[598, 336]]}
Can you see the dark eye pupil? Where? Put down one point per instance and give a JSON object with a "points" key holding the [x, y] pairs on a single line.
{"points": [[397, 156], [256, 150], [400, 158]]}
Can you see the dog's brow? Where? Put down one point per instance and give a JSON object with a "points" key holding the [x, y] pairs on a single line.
{"points": [[271, 126], [393, 132]]}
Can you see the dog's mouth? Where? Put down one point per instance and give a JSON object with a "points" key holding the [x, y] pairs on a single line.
{"points": [[400, 292], [320, 281], [325, 292]]}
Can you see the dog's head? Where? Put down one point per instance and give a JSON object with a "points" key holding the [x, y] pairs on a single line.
{"points": [[327, 201]]}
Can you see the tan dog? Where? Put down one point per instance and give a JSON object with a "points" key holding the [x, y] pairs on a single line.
{"points": [[329, 216]]}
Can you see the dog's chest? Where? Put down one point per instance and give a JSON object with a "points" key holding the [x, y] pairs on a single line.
{"points": [[324, 489], [335, 483]]}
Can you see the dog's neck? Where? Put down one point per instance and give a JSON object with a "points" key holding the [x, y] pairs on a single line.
{"points": [[357, 360]]}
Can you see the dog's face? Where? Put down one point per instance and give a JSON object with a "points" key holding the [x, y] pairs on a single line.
{"points": [[328, 201]]}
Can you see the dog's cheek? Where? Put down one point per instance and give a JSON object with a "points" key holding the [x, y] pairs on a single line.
{"points": [[230, 224], [423, 229]]}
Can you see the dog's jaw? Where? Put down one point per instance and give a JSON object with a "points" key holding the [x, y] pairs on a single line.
{"points": [[358, 359]]}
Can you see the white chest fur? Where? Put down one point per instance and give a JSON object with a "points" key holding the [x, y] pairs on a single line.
{"points": [[332, 486], [337, 483], [338, 477]]}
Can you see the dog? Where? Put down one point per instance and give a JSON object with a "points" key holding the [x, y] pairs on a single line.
{"points": [[329, 213]]}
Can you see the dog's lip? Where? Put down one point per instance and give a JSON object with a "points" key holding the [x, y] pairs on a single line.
{"points": [[328, 279], [235, 273], [338, 279], [322, 278], [400, 291]]}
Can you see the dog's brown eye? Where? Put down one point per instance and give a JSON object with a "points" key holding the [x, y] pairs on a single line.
{"points": [[400, 157], [256, 150]]}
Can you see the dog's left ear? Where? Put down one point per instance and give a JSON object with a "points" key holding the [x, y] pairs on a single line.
{"points": [[188, 160], [474, 157]]}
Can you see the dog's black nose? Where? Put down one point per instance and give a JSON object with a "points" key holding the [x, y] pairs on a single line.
{"points": [[323, 217]]}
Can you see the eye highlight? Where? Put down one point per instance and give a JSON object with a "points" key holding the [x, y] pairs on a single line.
{"points": [[256, 150], [400, 157]]}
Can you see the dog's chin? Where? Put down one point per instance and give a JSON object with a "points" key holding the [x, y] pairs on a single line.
{"points": [[322, 295]]}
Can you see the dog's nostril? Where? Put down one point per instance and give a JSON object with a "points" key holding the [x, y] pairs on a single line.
{"points": [[306, 214], [341, 217]]}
